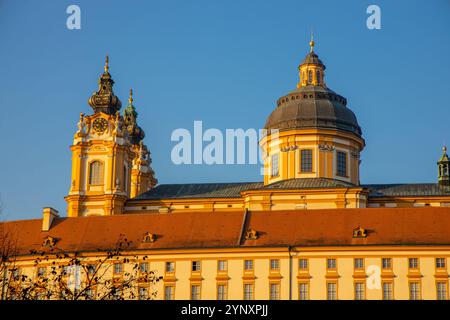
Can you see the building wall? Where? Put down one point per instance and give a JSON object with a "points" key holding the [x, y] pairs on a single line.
{"points": [[289, 276]]}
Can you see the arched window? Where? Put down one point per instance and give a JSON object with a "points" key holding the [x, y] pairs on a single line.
{"points": [[309, 76], [96, 173], [318, 76]]}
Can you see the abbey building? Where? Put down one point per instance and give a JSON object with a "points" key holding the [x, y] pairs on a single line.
{"points": [[309, 230]]}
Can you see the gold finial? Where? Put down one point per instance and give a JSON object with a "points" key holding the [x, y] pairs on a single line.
{"points": [[130, 100], [107, 64], [444, 149], [311, 43]]}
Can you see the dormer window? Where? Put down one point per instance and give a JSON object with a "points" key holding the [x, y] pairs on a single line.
{"points": [[149, 237], [49, 242]]}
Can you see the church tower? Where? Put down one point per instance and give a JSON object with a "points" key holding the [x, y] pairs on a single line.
{"points": [[110, 162], [312, 134]]}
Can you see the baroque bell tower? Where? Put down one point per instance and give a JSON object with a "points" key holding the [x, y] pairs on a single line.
{"points": [[110, 162]]}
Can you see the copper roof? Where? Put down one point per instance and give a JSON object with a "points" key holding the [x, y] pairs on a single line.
{"points": [[385, 226], [233, 190]]}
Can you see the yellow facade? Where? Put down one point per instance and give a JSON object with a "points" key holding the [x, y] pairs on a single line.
{"points": [[290, 275]]}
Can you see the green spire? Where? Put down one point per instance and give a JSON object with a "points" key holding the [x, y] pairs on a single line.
{"points": [[130, 113], [443, 168]]}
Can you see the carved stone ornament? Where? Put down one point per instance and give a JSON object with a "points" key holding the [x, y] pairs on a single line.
{"points": [[251, 234], [326, 147], [149, 237], [359, 232]]}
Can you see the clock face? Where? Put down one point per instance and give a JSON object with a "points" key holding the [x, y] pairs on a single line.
{"points": [[100, 125]]}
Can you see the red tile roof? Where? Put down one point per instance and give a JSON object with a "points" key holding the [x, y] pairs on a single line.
{"points": [[385, 226]]}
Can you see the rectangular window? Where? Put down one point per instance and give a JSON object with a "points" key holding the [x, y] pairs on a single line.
{"points": [[248, 291], [386, 263], [303, 293], [303, 264], [441, 290], [331, 263], [274, 291], [117, 294], [341, 164], [118, 268], [275, 161], [359, 263], [248, 265], [387, 291], [274, 264], [91, 269], [89, 294], [275, 165], [359, 291], [222, 265], [440, 263], [143, 293], [15, 274], [414, 291], [221, 292], [195, 292], [413, 263], [306, 160], [195, 265], [331, 291], [170, 266], [143, 267], [41, 271], [169, 292]]}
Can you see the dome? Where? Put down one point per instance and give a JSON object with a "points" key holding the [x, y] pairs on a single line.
{"points": [[313, 107], [312, 58]]}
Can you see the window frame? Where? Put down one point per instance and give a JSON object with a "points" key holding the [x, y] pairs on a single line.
{"points": [[274, 174], [300, 284], [361, 293], [310, 169], [252, 291], [172, 291], [334, 268], [300, 268], [196, 266], [172, 270], [419, 290], [277, 294], [198, 293], [391, 292], [339, 161], [275, 267], [335, 290], [251, 262], [92, 180], [445, 283], [224, 293], [225, 264]]}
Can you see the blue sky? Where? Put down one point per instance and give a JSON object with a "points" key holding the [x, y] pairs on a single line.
{"points": [[222, 62]]}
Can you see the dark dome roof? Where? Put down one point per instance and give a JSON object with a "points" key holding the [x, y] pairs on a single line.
{"points": [[312, 58], [313, 107]]}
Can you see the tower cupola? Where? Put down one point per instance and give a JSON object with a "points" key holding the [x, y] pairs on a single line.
{"points": [[443, 168], [130, 119], [104, 100], [311, 70]]}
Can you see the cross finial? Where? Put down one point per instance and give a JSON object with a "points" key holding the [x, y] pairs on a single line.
{"points": [[311, 43], [130, 100], [106, 63]]}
